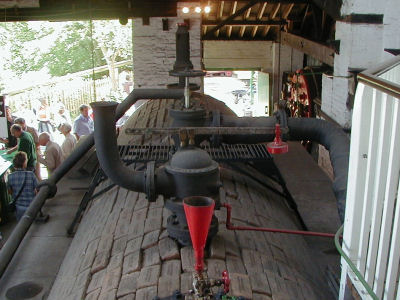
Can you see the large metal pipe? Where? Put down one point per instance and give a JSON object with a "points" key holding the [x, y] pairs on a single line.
{"points": [[234, 121], [323, 132], [107, 149], [335, 141], [46, 191]]}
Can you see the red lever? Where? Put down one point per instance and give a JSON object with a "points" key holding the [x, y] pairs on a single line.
{"points": [[226, 280], [277, 146]]}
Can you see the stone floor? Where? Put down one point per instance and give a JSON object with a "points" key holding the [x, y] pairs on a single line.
{"points": [[41, 253]]}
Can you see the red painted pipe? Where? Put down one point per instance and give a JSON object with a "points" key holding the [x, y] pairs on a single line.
{"points": [[230, 226]]}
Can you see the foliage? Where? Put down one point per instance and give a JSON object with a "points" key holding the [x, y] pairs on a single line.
{"points": [[72, 51], [69, 45], [24, 55]]}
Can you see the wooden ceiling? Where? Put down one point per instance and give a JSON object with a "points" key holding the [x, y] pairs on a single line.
{"points": [[227, 20], [263, 20]]}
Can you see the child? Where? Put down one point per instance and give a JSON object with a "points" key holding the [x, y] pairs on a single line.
{"points": [[22, 184]]}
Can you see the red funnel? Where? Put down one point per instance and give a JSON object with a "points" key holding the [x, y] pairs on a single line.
{"points": [[198, 211], [277, 146]]}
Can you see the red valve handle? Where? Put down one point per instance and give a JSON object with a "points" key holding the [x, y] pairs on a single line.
{"points": [[226, 280]]}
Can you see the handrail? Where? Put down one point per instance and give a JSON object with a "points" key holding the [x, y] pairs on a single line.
{"points": [[371, 78], [352, 266]]}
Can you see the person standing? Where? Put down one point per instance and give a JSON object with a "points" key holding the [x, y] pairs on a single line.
{"points": [[83, 124], [22, 184], [34, 133], [44, 116], [26, 144], [11, 141], [61, 116], [52, 157], [70, 141]]}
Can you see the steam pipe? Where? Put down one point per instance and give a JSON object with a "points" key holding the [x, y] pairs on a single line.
{"points": [[335, 141], [107, 149], [323, 132], [48, 187], [234, 121]]}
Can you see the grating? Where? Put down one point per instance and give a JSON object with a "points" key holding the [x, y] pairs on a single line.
{"points": [[225, 152]]}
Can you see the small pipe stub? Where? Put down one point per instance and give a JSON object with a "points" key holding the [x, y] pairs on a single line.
{"points": [[277, 146]]}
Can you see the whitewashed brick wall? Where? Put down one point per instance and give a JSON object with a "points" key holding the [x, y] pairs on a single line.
{"points": [[361, 47], [154, 50]]}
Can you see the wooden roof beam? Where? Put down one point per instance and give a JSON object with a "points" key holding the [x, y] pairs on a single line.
{"points": [[272, 16], [219, 15], [232, 17], [247, 23], [233, 10], [245, 17], [259, 16], [319, 51]]}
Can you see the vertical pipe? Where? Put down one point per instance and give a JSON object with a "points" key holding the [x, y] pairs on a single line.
{"points": [[187, 93]]}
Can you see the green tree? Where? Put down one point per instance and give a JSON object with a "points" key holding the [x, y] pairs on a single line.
{"points": [[72, 51], [115, 42], [64, 48], [19, 39]]}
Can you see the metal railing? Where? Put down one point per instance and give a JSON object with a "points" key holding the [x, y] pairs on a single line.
{"points": [[371, 237]]}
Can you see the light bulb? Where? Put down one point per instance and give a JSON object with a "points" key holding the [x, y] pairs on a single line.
{"points": [[197, 9], [207, 9], [185, 10]]}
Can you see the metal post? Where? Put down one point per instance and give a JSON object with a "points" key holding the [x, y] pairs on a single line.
{"points": [[187, 93]]}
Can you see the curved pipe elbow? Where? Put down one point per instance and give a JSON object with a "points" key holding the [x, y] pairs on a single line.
{"points": [[107, 150], [335, 141]]}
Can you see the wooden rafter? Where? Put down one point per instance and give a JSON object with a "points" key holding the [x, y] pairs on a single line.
{"points": [[220, 13], [259, 16], [232, 17], [287, 11], [319, 51], [233, 10], [271, 17], [245, 17], [248, 23]]}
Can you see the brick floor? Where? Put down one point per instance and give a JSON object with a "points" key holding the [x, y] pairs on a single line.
{"points": [[121, 250]]}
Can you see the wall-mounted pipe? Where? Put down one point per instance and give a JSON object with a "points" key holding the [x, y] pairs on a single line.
{"points": [[47, 191], [335, 141], [323, 132]]}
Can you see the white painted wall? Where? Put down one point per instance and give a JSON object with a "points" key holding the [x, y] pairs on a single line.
{"points": [[154, 50], [265, 56], [361, 47], [240, 55]]}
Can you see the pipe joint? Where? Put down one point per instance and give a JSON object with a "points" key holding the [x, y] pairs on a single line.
{"points": [[149, 183], [52, 187]]}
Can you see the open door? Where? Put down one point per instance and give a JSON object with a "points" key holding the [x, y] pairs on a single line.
{"points": [[263, 106]]}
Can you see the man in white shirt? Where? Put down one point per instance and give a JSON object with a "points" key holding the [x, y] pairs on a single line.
{"points": [[52, 157], [70, 141]]}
